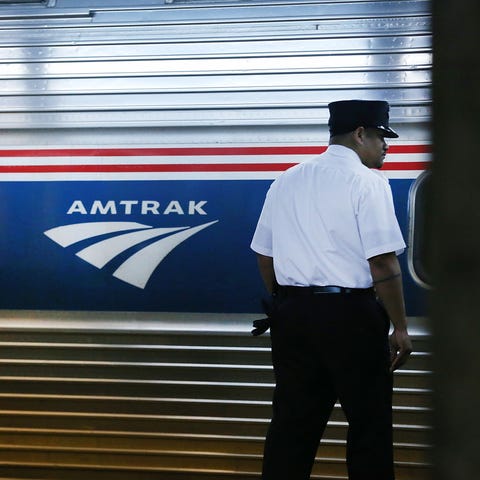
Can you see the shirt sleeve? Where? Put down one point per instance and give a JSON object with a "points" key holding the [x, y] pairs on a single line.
{"points": [[262, 241], [377, 223]]}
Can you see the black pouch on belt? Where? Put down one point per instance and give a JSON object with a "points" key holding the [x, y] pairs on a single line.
{"points": [[262, 325]]}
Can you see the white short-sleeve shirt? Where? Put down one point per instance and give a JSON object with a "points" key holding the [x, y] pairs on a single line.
{"points": [[323, 219]]}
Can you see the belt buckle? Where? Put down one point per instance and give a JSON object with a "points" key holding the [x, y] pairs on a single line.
{"points": [[327, 289]]}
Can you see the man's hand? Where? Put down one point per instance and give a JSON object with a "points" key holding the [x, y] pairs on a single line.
{"points": [[387, 280], [400, 348]]}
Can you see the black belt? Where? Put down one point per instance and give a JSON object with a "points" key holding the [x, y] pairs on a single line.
{"points": [[262, 325], [317, 290]]}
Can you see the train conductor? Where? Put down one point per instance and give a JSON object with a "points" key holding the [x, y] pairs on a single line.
{"points": [[327, 242]]}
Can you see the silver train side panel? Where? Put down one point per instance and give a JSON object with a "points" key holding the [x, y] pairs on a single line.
{"points": [[193, 67]]}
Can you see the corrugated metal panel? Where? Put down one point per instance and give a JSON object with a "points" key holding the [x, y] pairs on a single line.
{"points": [[255, 64], [120, 398]]}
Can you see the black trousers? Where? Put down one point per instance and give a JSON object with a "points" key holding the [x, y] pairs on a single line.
{"points": [[327, 347]]}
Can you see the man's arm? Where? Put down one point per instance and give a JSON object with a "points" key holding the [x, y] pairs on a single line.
{"points": [[387, 280], [265, 265]]}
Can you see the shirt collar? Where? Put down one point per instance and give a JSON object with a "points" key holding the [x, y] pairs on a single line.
{"points": [[344, 156]]}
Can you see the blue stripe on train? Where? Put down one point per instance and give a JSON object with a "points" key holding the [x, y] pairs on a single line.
{"points": [[209, 270]]}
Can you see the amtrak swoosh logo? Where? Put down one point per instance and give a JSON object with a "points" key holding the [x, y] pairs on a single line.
{"points": [[139, 267]]}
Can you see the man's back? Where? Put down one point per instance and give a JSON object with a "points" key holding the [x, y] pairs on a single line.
{"points": [[319, 214]]}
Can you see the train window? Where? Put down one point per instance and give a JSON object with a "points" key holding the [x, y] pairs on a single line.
{"points": [[417, 252]]}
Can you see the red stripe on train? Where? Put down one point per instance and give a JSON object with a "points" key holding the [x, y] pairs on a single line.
{"points": [[191, 151], [190, 167]]}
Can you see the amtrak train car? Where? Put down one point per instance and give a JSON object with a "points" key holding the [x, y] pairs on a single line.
{"points": [[139, 138]]}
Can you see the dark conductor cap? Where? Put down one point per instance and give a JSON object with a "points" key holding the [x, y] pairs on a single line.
{"points": [[348, 115]]}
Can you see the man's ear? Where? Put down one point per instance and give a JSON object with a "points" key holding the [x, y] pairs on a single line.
{"points": [[359, 135]]}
